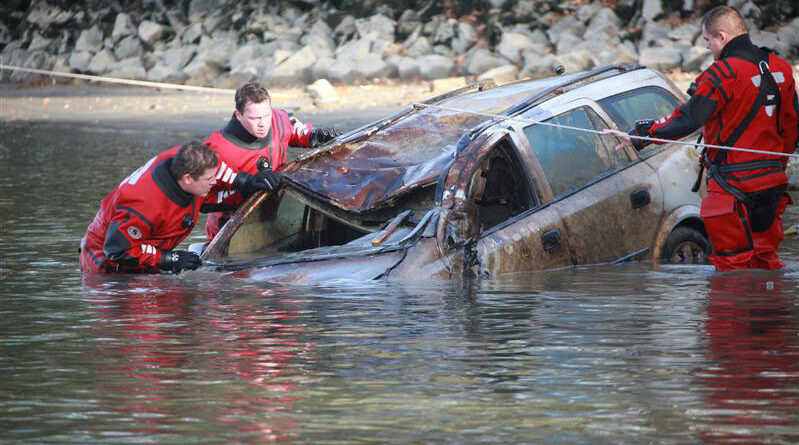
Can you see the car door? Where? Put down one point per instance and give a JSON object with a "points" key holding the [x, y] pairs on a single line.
{"points": [[609, 201], [494, 208]]}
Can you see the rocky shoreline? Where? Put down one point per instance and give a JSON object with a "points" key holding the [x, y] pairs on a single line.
{"points": [[222, 43]]}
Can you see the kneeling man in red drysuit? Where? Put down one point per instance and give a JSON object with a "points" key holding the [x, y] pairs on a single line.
{"points": [[143, 220], [747, 98], [254, 141]]}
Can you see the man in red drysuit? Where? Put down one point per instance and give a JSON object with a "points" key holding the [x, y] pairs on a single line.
{"points": [[256, 133], [747, 98], [143, 220]]}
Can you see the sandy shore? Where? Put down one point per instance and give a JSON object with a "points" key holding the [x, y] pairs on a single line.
{"points": [[140, 108]]}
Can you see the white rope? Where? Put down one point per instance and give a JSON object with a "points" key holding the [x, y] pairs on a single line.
{"points": [[142, 83], [568, 127]]}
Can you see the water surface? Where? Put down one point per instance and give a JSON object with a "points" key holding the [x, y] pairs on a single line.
{"points": [[636, 353]]}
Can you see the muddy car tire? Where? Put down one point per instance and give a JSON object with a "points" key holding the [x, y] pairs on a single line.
{"points": [[685, 245]]}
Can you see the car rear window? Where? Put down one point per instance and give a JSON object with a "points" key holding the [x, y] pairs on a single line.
{"points": [[571, 158], [642, 103]]}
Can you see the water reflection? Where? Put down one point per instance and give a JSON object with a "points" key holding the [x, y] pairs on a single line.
{"points": [[166, 345], [752, 342]]}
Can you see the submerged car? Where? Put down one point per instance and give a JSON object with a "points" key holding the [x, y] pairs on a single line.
{"points": [[484, 180]]}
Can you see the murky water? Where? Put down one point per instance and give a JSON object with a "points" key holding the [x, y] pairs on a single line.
{"points": [[636, 353]]}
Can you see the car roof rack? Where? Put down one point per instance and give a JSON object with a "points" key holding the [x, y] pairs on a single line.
{"points": [[535, 99], [539, 97]]}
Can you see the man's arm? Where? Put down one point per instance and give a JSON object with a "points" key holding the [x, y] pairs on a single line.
{"points": [[789, 119], [306, 135], [123, 244]]}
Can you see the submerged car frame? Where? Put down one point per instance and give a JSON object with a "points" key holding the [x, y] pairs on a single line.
{"points": [[446, 188]]}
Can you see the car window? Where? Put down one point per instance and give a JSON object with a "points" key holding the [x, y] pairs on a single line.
{"points": [[571, 158], [642, 103]]}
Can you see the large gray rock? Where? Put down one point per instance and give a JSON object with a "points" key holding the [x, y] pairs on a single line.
{"points": [[567, 43], [654, 34], [586, 12], [686, 32], [770, 40], [102, 62], [5, 34], [322, 92], [420, 47], [376, 27], [151, 32], [445, 31], [513, 44], [128, 47], [192, 33], [435, 66], [465, 38], [295, 69], [123, 27], [354, 50], [178, 57], [789, 34], [44, 15], [163, 73], [481, 60], [322, 46], [567, 25], [579, 60], [35, 60], [218, 49], [651, 9], [130, 68], [604, 21], [345, 29], [79, 60], [201, 8], [90, 40], [693, 57], [661, 58], [202, 72], [39, 43], [539, 66], [374, 67], [408, 68], [501, 75], [246, 53]]}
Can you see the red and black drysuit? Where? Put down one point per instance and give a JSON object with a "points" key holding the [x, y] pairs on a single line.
{"points": [[240, 151], [140, 222], [745, 99]]}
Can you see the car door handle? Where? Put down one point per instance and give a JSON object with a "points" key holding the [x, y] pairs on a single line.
{"points": [[640, 198], [551, 240]]}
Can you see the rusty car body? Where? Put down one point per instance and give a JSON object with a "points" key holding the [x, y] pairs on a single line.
{"points": [[447, 188]]}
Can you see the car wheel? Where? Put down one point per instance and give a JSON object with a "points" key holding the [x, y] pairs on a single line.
{"points": [[685, 245]]}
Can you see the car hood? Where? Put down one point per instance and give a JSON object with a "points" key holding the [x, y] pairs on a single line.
{"points": [[369, 167]]}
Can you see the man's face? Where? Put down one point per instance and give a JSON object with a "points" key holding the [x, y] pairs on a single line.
{"points": [[256, 118], [200, 186], [714, 43]]}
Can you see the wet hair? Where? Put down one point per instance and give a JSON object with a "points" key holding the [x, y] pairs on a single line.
{"points": [[250, 92], [724, 18], [193, 158]]}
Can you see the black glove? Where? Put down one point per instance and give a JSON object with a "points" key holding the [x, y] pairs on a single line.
{"points": [[178, 260], [321, 135], [641, 129], [248, 184]]}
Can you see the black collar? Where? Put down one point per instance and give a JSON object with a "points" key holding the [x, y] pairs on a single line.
{"points": [[166, 182], [236, 133], [742, 47]]}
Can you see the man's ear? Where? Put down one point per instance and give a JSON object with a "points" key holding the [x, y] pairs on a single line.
{"points": [[238, 115], [185, 179]]}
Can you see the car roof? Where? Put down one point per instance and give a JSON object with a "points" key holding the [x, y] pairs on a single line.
{"points": [[411, 151]]}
